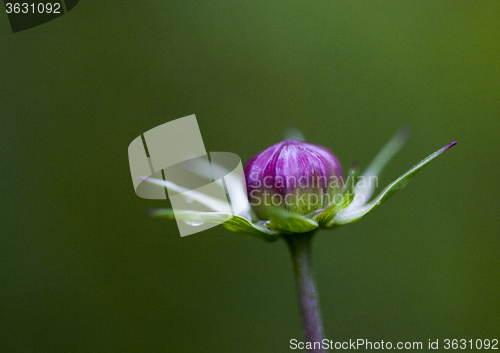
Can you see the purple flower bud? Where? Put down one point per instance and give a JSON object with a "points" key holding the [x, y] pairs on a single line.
{"points": [[292, 175]]}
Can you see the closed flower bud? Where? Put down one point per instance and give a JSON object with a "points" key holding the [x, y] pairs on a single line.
{"points": [[294, 176]]}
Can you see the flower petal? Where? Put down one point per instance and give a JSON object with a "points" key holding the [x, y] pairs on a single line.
{"points": [[349, 215]]}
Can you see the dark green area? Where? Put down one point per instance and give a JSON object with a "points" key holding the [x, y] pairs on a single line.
{"points": [[24, 15], [82, 269]]}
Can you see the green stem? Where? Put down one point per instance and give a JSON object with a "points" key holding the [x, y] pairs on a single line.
{"points": [[300, 249]]}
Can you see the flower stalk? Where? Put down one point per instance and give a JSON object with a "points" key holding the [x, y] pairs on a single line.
{"points": [[300, 249]]}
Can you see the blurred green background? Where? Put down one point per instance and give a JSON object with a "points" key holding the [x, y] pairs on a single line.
{"points": [[82, 269]]}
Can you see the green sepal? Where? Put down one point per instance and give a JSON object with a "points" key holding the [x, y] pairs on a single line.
{"points": [[324, 216], [353, 214], [289, 222], [231, 222]]}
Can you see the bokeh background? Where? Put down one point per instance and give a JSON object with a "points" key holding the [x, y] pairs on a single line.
{"points": [[82, 269]]}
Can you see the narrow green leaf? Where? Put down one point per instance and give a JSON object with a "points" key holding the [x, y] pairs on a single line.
{"points": [[233, 181], [365, 186], [231, 222], [210, 202], [349, 216]]}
